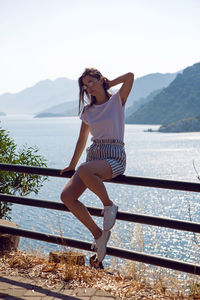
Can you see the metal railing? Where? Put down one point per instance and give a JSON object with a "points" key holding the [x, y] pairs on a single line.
{"points": [[136, 218]]}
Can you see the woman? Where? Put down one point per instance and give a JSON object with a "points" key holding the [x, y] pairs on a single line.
{"points": [[103, 117]]}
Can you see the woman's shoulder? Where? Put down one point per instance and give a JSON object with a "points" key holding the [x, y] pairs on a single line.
{"points": [[85, 108], [84, 115], [115, 94], [116, 97]]}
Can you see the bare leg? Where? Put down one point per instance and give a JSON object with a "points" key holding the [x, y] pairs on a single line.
{"points": [[92, 174], [70, 194]]}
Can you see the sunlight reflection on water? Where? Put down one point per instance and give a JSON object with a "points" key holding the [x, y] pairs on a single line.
{"points": [[149, 154]]}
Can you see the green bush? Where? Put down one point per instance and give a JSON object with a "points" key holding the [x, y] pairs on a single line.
{"points": [[18, 183]]}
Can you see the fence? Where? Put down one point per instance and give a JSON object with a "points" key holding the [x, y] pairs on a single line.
{"points": [[136, 218]]}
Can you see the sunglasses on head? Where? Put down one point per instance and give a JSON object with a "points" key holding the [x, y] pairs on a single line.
{"points": [[90, 84]]}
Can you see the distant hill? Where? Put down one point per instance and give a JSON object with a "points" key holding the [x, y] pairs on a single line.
{"points": [[143, 100], [2, 114], [43, 95], [48, 93], [142, 86], [180, 100], [145, 85], [184, 125], [65, 109]]}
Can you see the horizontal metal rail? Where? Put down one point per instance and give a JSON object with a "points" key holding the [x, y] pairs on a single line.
{"points": [[124, 216], [118, 252], [122, 179]]}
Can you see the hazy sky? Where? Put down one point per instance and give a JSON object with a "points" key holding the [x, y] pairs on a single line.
{"points": [[42, 39]]}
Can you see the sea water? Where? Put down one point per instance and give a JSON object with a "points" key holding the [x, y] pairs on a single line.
{"points": [[149, 154]]}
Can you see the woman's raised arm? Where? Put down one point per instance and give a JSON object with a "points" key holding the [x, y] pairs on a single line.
{"points": [[127, 80]]}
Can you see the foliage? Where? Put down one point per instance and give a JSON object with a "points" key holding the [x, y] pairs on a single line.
{"points": [[18, 183], [184, 125], [142, 101], [180, 100]]}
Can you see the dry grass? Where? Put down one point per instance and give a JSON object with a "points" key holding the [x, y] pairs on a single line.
{"points": [[134, 281]]}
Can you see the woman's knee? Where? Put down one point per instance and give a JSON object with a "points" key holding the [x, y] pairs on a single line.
{"points": [[72, 191], [62, 196], [83, 170]]}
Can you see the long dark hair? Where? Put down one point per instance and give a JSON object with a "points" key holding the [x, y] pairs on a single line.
{"points": [[92, 99]]}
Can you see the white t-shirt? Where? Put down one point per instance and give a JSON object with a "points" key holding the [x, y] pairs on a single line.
{"points": [[106, 121]]}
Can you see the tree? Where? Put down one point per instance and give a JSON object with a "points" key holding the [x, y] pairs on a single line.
{"points": [[18, 183]]}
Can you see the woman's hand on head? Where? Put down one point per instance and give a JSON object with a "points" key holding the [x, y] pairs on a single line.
{"points": [[107, 82], [110, 83]]}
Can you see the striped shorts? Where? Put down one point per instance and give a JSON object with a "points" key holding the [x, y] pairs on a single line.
{"points": [[110, 150]]}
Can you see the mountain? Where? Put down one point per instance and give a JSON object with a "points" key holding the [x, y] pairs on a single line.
{"points": [[2, 113], [48, 93], [41, 96], [180, 100], [65, 109], [145, 85], [142, 86], [143, 100]]}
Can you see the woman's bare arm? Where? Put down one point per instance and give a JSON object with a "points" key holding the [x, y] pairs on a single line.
{"points": [[80, 145], [127, 80]]}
